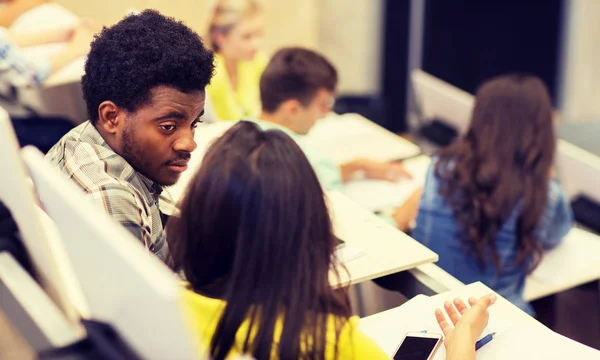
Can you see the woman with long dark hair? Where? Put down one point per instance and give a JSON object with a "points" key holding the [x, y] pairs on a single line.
{"points": [[255, 242], [491, 204]]}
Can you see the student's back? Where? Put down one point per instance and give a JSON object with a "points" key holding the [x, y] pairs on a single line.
{"points": [[254, 240], [438, 229], [491, 205], [205, 312]]}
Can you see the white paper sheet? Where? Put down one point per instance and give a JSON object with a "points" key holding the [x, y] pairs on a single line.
{"points": [[518, 336], [349, 252], [350, 136], [378, 195]]}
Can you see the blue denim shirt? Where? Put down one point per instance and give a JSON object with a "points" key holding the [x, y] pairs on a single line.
{"points": [[17, 70], [438, 229]]}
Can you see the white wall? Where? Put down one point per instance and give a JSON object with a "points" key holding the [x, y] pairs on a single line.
{"points": [[350, 35], [348, 32], [287, 22], [580, 76]]}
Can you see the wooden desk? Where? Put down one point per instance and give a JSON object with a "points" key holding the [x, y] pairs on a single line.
{"points": [[387, 249], [582, 134], [350, 136], [30, 310], [519, 336], [60, 95], [576, 261]]}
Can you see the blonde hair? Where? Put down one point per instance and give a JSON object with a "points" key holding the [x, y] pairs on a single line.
{"points": [[228, 13]]}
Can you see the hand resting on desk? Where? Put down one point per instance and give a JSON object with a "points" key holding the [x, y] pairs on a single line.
{"points": [[468, 323], [406, 213], [372, 169]]}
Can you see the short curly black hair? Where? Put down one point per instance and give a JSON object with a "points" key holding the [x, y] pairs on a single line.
{"points": [[129, 59]]}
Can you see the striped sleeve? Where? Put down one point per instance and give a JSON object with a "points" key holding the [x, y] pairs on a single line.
{"points": [[120, 203]]}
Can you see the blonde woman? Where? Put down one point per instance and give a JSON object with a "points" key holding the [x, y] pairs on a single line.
{"points": [[235, 35]]}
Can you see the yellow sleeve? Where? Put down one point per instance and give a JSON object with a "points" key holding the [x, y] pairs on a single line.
{"points": [[244, 102], [262, 60], [354, 344]]}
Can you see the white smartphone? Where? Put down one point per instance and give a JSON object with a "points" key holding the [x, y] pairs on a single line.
{"points": [[418, 346]]}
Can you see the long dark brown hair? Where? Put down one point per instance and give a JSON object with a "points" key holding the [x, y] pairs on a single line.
{"points": [[502, 162], [254, 231]]}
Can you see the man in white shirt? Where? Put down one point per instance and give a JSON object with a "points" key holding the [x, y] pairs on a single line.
{"points": [[297, 88]]}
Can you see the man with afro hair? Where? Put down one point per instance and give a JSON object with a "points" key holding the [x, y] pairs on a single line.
{"points": [[144, 89]]}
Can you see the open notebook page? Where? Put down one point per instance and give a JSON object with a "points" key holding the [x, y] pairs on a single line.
{"points": [[350, 136], [379, 195]]}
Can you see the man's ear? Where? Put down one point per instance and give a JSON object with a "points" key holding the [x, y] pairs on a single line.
{"points": [[110, 117], [291, 107]]}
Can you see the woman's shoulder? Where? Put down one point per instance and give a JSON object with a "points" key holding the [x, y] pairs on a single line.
{"points": [[198, 303], [354, 344]]}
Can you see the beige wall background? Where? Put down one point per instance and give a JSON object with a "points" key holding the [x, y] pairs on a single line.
{"points": [[350, 36], [295, 20], [581, 74]]}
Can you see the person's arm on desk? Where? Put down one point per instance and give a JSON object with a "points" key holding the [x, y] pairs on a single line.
{"points": [[466, 326], [22, 71], [16, 8], [35, 38], [79, 45], [390, 171], [405, 214]]}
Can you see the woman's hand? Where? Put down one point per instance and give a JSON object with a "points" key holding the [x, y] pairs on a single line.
{"points": [[373, 169], [389, 171], [466, 325]]}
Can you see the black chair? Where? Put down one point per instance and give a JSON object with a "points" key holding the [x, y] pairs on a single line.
{"points": [[10, 240], [41, 132]]}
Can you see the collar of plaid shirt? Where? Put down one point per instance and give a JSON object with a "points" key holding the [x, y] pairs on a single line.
{"points": [[128, 196]]}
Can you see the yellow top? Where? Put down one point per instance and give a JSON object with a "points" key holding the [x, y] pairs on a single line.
{"points": [[203, 315], [240, 103]]}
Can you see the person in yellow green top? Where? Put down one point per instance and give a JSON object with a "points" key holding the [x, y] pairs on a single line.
{"points": [[254, 240], [235, 35]]}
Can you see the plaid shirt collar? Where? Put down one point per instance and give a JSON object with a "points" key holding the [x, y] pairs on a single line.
{"points": [[129, 197], [90, 134]]}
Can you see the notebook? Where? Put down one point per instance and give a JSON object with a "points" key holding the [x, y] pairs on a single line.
{"points": [[518, 336], [381, 195]]}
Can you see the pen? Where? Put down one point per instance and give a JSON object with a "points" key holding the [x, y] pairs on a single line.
{"points": [[485, 340]]}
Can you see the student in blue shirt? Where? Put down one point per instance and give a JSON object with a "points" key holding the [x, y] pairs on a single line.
{"points": [[491, 203]]}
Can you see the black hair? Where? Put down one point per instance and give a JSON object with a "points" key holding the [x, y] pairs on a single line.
{"points": [[254, 231], [129, 59]]}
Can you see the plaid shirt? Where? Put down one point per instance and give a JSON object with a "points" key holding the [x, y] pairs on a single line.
{"points": [[110, 181], [17, 70]]}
